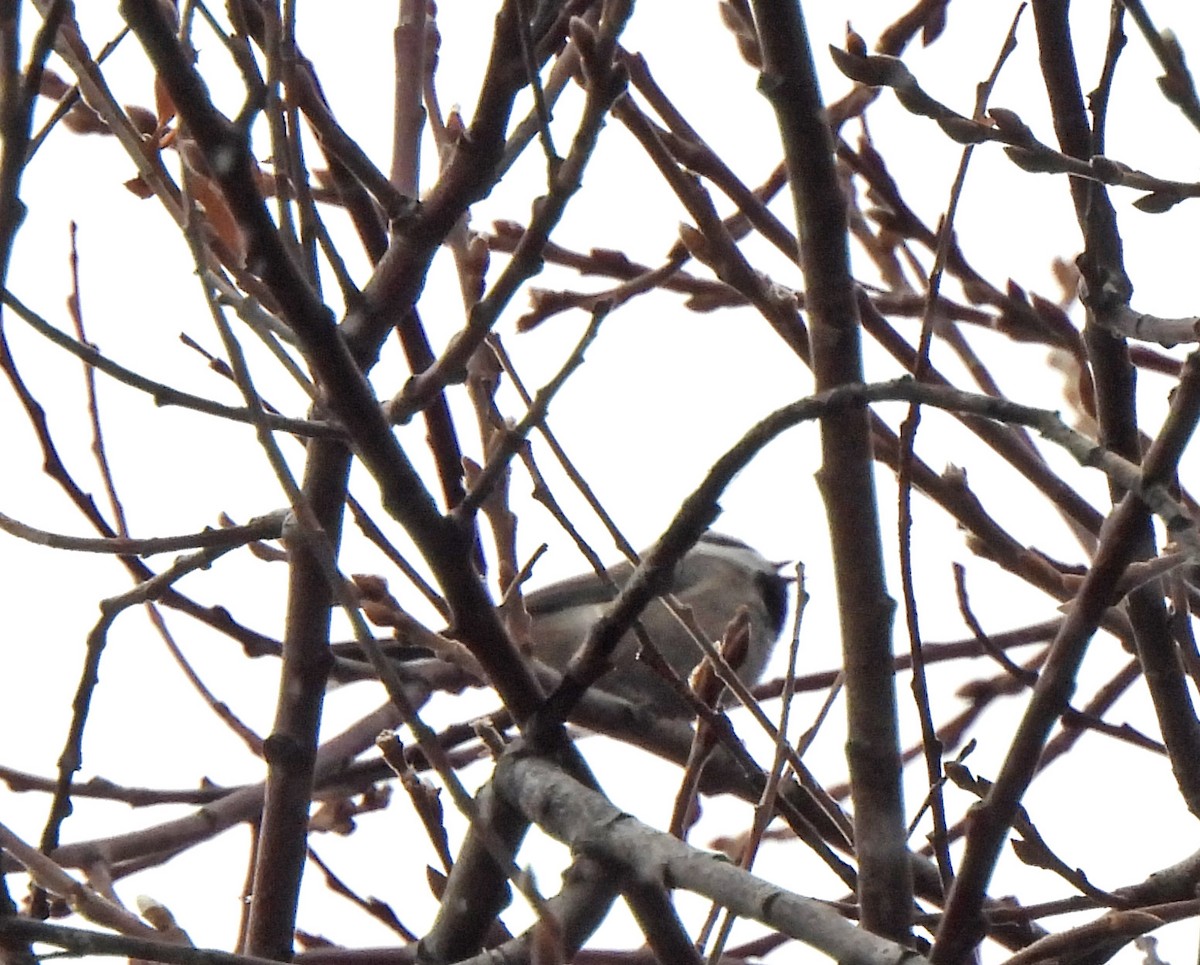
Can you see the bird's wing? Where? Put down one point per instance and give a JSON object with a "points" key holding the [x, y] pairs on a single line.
{"points": [[582, 590]]}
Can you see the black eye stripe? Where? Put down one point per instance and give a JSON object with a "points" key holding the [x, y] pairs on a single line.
{"points": [[773, 590]]}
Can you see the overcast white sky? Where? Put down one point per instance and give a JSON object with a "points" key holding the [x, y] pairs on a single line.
{"points": [[662, 394]]}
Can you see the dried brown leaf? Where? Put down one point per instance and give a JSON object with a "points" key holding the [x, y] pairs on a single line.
{"points": [[163, 103], [935, 22], [218, 214], [1156, 202], [854, 42], [52, 85], [81, 119], [142, 119], [139, 188], [744, 35]]}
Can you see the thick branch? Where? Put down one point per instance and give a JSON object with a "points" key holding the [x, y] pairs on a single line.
{"points": [[873, 747]]}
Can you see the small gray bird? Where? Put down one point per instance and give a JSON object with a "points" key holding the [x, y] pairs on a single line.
{"points": [[719, 575]]}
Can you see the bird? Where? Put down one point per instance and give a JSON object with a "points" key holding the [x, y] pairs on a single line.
{"points": [[719, 575]]}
